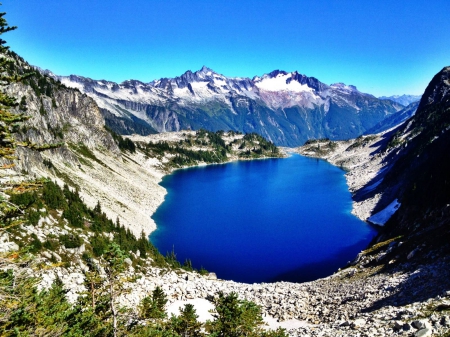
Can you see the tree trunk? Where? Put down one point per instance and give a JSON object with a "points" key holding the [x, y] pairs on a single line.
{"points": [[113, 309]]}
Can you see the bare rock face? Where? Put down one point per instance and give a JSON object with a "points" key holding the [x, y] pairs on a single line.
{"points": [[70, 145], [67, 117]]}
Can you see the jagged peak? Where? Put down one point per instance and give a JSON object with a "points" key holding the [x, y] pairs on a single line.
{"points": [[205, 70]]}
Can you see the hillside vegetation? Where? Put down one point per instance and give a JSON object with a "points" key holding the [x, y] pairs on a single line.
{"points": [[202, 146]]}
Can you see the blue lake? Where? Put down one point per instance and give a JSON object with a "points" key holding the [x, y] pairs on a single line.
{"points": [[261, 221]]}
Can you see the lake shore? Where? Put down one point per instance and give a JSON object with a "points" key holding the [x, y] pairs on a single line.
{"points": [[127, 185], [364, 170], [273, 203]]}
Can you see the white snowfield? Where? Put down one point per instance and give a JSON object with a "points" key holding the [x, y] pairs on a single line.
{"points": [[383, 216], [280, 83]]}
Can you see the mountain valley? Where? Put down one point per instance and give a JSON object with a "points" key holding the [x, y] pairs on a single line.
{"points": [[399, 179]]}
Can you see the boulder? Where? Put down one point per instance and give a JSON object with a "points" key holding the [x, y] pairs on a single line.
{"points": [[211, 276], [421, 324], [426, 332], [358, 323]]}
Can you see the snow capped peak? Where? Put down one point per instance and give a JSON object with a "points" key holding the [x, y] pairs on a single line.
{"points": [[281, 81]]}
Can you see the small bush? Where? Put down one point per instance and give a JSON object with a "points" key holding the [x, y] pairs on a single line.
{"points": [[48, 163], [51, 245], [24, 199], [33, 217], [71, 240], [35, 244]]}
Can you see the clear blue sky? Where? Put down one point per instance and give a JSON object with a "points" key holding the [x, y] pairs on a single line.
{"points": [[382, 47]]}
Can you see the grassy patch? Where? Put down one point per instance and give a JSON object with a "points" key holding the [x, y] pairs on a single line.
{"points": [[65, 177], [87, 153]]}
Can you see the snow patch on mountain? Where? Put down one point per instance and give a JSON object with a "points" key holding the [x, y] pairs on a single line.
{"points": [[281, 83], [383, 216]]}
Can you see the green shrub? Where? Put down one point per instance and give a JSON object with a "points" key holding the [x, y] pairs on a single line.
{"points": [[74, 215], [35, 244], [51, 244], [53, 196], [71, 240], [33, 217], [235, 318], [153, 306], [24, 199], [48, 163], [99, 244]]}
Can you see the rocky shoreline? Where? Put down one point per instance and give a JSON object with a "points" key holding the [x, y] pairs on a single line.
{"points": [[364, 170]]}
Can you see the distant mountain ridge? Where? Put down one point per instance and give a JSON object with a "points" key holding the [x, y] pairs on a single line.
{"points": [[286, 108], [403, 99], [394, 120]]}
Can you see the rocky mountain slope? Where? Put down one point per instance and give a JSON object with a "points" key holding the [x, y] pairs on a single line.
{"points": [[286, 108], [394, 120], [400, 182]]}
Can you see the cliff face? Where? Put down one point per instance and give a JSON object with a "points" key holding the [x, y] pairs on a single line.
{"points": [[420, 177], [57, 115], [82, 154]]}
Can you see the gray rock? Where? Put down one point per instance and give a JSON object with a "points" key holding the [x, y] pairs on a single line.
{"points": [[411, 255], [128, 261], [358, 323], [46, 255], [406, 327], [211, 276], [420, 324], [57, 257], [426, 332]]}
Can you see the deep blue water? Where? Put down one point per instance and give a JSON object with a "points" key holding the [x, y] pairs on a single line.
{"points": [[260, 221]]}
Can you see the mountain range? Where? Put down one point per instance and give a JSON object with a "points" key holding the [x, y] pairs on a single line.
{"points": [[287, 108], [403, 99]]}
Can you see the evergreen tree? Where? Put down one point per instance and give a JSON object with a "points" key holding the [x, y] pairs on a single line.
{"points": [[114, 265], [187, 324], [8, 121], [154, 306], [235, 318]]}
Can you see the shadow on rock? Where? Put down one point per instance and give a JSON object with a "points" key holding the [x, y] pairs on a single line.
{"points": [[424, 283]]}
